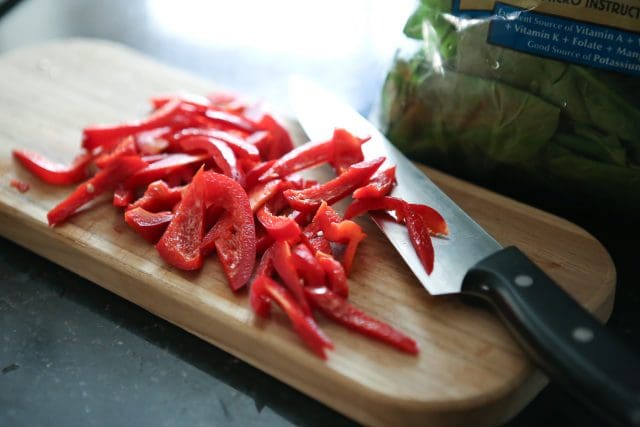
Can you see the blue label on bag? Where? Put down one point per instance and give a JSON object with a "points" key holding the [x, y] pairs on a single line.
{"points": [[565, 39]]}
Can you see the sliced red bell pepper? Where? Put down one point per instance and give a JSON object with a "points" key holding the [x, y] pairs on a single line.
{"points": [[300, 158], [379, 185], [280, 140], [419, 234], [234, 234], [347, 150], [262, 140], [336, 276], [386, 203], [149, 225], [304, 325], [338, 309], [159, 101], [106, 179], [264, 191], [227, 120], [162, 168], [308, 266], [431, 218], [263, 239], [179, 246], [310, 198], [283, 264], [348, 232], [240, 147], [122, 196], [52, 172], [313, 234], [251, 176], [280, 227], [99, 136], [154, 141], [220, 152], [126, 147], [159, 197]]}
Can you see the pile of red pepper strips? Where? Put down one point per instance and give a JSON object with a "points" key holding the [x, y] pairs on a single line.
{"points": [[215, 174]]}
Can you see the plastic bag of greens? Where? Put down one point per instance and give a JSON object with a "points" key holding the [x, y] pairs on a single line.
{"points": [[531, 95]]}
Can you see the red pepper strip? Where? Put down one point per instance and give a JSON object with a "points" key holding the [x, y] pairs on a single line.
{"points": [[420, 238], [126, 147], [281, 141], [163, 168], [52, 172], [235, 238], [283, 263], [153, 141], [431, 218], [220, 152], [308, 266], [263, 192], [347, 150], [122, 197], [147, 224], [346, 232], [159, 197], [336, 276], [252, 175], [379, 185], [300, 158], [386, 203], [259, 300], [228, 120], [303, 324], [21, 186], [263, 240], [113, 174], [313, 235], [262, 140], [280, 227], [340, 310], [179, 246], [191, 99], [310, 198], [98, 136], [241, 148]]}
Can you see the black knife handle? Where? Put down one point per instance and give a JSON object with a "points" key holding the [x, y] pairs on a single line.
{"points": [[570, 345]]}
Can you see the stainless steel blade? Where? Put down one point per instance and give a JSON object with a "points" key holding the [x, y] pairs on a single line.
{"points": [[319, 113]]}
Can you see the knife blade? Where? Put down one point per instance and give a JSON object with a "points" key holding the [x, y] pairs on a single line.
{"points": [[571, 346]]}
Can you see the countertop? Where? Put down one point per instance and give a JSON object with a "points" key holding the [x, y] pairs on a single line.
{"points": [[73, 354]]}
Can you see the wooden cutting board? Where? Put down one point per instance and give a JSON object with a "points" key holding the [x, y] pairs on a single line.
{"points": [[469, 372]]}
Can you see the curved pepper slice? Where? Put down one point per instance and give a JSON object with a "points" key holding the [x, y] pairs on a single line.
{"points": [[234, 235], [149, 225], [310, 198], [106, 179], [300, 158], [283, 263], [220, 152], [336, 276], [419, 234], [179, 246], [241, 148], [99, 136], [431, 218], [313, 234], [126, 147], [159, 197], [348, 232], [280, 227], [162, 168], [280, 141], [308, 266], [264, 288], [338, 309], [347, 150], [53, 172], [386, 203], [379, 185]]}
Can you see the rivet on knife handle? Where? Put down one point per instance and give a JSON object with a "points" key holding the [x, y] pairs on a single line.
{"points": [[571, 346]]}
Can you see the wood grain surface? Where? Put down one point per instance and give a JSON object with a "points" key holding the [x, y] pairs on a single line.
{"points": [[469, 371]]}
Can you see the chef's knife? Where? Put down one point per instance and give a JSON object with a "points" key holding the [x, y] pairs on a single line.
{"points": [[572, 347]]}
